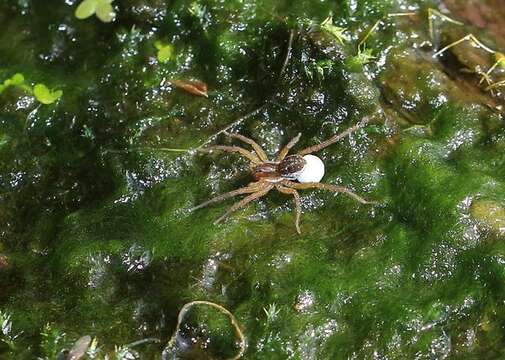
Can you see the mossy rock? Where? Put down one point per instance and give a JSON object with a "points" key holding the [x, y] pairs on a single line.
{"points": [[97, 188]]}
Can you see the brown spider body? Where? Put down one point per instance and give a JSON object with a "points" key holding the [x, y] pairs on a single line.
{"points": [[287, 169], [281, 174]]}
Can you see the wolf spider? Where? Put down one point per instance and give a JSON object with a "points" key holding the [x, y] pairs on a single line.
{"points": [[287, 173]]}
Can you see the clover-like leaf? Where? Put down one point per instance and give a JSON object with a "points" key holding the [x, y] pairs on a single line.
{"points": [[165, 52], [101, 8], [86, 9], [105, 11], [46, 96]]}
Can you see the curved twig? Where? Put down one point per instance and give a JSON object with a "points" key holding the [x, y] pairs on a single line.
{"points": [[228, 127], [233, 321], [288, 52], [247, 154]]}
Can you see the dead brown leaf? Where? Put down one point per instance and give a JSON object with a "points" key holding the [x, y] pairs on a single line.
{"points": [[195, 87]]}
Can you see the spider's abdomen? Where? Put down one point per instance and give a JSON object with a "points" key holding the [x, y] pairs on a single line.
{"points": [[291, 166]]}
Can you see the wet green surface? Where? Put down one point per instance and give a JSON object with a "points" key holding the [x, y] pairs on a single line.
{"points": [[97, 237]]}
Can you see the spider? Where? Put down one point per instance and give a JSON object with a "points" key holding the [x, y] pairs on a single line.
{"points": [[286, 174]]}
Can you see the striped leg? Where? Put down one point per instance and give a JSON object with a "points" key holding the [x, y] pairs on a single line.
{"points": [[247, 154], [285, 150], [328, 187], [259, 151], [263, 191], [298, 207], [245, 190]]}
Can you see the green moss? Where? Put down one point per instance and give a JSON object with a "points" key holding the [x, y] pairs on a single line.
{"points": [[489, 215], [96, 220]]}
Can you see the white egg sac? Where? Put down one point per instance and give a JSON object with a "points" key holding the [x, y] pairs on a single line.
{"points": [[313, 171]]}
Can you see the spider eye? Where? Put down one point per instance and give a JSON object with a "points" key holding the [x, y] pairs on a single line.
{"points": [[313, 171]]}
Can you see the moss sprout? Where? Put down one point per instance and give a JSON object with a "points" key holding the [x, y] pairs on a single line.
{"points": [[336, 31]]}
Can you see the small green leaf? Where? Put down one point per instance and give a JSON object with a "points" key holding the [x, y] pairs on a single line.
{"points": [[105, 11], [101, 8], [165, 52], [17, 79], [46, 96], [86, 9]]}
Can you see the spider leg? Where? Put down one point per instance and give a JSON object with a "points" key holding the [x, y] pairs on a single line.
{"points": [[259, 151], [245, 190], [247, 154], [282, 154], [263, 190], [328, 187], [334, 138], [298, 207]]}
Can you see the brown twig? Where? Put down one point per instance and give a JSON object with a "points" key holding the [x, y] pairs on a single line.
{"points": [[233, 321]]}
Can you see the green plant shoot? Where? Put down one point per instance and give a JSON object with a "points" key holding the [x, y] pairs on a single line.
{"points": [[336, 31], [500, 59]]}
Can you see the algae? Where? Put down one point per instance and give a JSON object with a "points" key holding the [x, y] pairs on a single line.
{"points": [[97, 237]]}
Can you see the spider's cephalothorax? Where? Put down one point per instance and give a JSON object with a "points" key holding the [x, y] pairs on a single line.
{"points": [[287, 169], [286, 173]]}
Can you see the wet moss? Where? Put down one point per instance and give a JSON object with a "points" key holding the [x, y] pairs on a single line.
{"points": [[97, 232]]}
